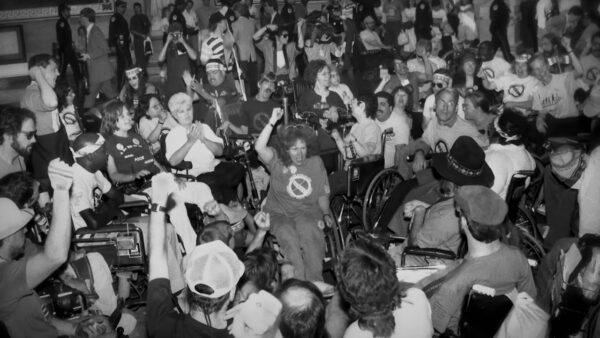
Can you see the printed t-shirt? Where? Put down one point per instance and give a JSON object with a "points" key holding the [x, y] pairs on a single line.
{"points": [[556, 98], [296, 190], [516, 89], [494, 68], [254, 114], [131, 154]]}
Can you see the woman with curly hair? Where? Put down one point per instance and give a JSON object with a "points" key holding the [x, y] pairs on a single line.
{"points": [[298, 199], [381, 305], [136, 87], [68, 111]]}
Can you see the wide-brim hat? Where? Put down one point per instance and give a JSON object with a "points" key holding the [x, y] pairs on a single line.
{"points": [[464, 164]]}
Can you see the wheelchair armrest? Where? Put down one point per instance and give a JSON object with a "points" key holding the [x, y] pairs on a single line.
{"points": [[115, 227], [427, 252], [184, 165]]}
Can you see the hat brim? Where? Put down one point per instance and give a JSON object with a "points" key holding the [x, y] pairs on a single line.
{"points": [[439, 162]]}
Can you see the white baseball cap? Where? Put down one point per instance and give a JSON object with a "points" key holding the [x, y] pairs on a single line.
{"points": [[13, 218], [213, 270]]}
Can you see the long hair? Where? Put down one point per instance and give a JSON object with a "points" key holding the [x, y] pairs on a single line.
{"points": [[289, 136], [144, 106], [62, 90], [514, 128], [110, 116], [368, 282]]}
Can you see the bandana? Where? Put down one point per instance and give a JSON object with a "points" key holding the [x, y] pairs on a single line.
{"points": [[212, 66], [443, 78], [89, 149], [502, 133], [522, 58], [133, 72]]}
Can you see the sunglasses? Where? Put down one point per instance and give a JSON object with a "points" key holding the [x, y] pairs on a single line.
{"points": [[285, 35], [132, 78], [29, 135], [439, 85]]}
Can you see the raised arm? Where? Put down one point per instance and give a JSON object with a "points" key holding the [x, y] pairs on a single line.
{"points": [[566, 42], [265, 152], [162, 186], [162, 56], [56, 250]]}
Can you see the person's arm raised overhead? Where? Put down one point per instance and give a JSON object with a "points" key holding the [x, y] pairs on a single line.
{"points": [[56, 249], [163, 185], [265, 152]]}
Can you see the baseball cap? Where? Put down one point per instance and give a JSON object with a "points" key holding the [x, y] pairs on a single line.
{"points": [[213, 270], [14, 219], [215, 64], [481, 204], [258, 314]]}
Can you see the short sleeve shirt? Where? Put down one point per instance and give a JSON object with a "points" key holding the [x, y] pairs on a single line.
{"points": [[400, 135], [131, 154], [202, 159], [556, 98], [225, 90], [254, 114], [516, 89], [434, 132], [296, 190], [494, 68], [86, 192], [369, 135], [47, 120], [21, 308], [591, 68]]}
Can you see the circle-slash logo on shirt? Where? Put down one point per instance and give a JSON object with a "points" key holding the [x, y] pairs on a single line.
{"points": [[260, 120], [516, 90], [299, 186], [136, 141], [120, 147], [489, 72]]}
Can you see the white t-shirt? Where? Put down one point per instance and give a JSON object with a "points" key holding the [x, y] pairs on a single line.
{"points": [[69, 119], [516, 89], [436, 132], [368, 135], [494, 68], [400, 135], [202, 159], [86, 192], [146, 126], [591, 68], [505, 161], [370, 40], [412, 318], [556, 98], [429, 109]]}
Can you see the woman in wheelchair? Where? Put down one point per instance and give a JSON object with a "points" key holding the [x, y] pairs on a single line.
{"points": [[319, 99], [507, 153], [153, 119], [298, 198], [364, 139], [129, 156]]}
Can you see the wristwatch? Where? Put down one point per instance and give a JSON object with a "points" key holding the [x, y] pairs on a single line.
{"points": [[157, 208]]}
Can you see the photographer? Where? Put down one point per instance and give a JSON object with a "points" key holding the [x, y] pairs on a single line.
{"points": [[176, 54]]}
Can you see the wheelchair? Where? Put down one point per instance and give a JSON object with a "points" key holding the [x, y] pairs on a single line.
{"points": [[368, 187]]}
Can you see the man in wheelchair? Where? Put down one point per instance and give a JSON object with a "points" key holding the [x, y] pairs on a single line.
{"points": [[21, 308], [488, 262]]}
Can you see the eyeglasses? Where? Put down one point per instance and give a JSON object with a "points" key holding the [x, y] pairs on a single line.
{"points": [[284, 35], [29, 134]]}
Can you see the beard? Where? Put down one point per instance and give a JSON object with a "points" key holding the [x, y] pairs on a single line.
{"points": [[23, 151]]}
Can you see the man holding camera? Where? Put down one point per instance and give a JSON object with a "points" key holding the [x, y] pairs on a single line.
{"points": [[176, 54]]}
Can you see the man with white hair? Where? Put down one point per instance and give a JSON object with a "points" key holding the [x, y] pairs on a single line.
{"points": [[196, 143]]}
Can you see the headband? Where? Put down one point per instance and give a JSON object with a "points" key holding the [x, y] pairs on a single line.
{"points": [[89, 149], [522, 58], [442, 77], [132, 72], [215, 66], [502, 133]]}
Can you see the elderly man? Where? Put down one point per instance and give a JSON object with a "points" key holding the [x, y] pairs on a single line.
{"points": [[489, 262]]}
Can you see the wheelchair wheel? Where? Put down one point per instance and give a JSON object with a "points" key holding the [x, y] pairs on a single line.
{"points": [[377, 194]]}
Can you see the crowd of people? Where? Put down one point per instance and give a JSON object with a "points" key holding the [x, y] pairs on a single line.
{"points": [[238, 248]]}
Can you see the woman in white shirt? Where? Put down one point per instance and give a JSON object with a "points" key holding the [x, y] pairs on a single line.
{"points": [[507, 153]]}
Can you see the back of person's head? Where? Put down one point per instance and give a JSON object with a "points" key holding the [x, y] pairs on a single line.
{"points": [[62, 90], [88, 13], [262, 269], [303, 312], [368, 282], [486, 51], [242, 9], [18, 187], [370, 102], [483, 211], [40, 60], [215, 231], [479, 100], [62, 7], [214, 20], [511, 128], [11, 121], [271, 3], [312, 70], [425, 44], [212, 273]]}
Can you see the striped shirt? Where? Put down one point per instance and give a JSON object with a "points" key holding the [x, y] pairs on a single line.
{"points": [[212, 48]]}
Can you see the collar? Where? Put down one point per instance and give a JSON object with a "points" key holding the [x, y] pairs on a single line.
{"points": [[89, 28], [273, 16]]}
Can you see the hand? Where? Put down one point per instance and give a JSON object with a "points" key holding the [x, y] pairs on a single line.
{"points": [[196, 133], [263, 221], [287, 271], [335, 134], [300, 22], [187, 78], [85, 57], [195, 85], [212, 208], [566, 42], [540, 123], [142, 173], [224, 126], [419, 162], [163, 184], [414, 206], [328, 219], [93, 327], [60, 174], [276, 115], [169, 38], [386, 78], [272, 27]]}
